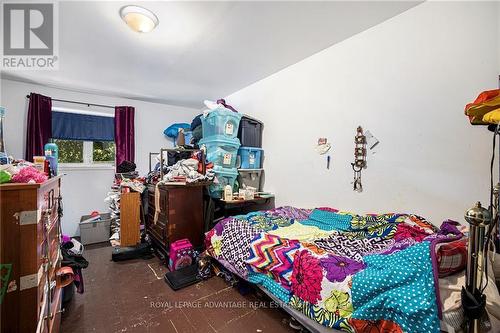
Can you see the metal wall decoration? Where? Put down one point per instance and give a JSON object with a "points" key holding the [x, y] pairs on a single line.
{"points": [[359, 158]]}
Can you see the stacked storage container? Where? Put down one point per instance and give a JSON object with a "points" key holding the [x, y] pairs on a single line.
{"points": [[220, 128], [250, 154]]}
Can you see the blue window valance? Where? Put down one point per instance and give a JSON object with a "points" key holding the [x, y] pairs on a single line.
{"points": [[74, 126]]}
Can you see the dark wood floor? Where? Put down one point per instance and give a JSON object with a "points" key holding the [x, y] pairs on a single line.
{"points": [[131, 296]]}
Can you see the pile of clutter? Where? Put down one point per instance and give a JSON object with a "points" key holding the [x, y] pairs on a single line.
{"points": [[113, 201], [126, 180], [20, 171], [71, 266], [189, 171]]}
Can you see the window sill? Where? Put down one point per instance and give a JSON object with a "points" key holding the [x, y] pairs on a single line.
{"points": [[81, 166]]}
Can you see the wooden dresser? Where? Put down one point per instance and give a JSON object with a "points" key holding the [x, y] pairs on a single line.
{"points": [[181, 215], [29, 257]]}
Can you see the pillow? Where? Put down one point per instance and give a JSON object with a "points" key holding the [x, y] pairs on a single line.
{"points": [[451, 257]]}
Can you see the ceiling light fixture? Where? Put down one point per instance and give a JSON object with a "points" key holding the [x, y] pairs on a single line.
{"points": [[138, 18]]}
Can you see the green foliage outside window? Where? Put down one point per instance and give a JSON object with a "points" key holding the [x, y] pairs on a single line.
{"points": [[70, 151], [76, 151], [104, 151]]}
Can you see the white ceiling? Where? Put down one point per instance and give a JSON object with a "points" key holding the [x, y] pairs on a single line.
{"points": [[200, 50]]}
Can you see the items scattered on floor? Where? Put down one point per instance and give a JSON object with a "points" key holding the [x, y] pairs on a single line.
{"points": [[72, 253], [183, 277], [140, 251], [180, 255], [203, 261]]}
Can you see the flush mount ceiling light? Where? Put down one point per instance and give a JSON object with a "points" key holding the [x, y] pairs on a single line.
{"points": [[138, 18]]}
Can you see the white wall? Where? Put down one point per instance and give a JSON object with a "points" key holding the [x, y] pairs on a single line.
{"points": [[498, 34], [407, 81], [84, 190]]}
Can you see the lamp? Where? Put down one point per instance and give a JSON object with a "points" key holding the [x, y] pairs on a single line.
{"points": [[139, 19], [473, 300]]}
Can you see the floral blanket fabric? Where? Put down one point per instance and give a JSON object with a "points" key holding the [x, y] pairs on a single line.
{"points": [[331, 272]]}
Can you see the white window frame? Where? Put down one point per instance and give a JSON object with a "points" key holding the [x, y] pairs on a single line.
{"points": [[88, 160], [88, 146]]}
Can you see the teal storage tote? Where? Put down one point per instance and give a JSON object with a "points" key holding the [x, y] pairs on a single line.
{"points": [[221, 151], [249, 158], [221, 122], [225, 177]]}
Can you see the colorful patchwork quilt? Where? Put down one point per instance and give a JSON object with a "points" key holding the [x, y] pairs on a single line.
{"points": [[356, 273]]}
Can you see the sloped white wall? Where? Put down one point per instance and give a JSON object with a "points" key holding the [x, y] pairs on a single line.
{"points": [[407, 81], [84, 190]]}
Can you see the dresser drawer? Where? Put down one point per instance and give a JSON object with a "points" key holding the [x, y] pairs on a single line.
{"points": [[48, 199]]}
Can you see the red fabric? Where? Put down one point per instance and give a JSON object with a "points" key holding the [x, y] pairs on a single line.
{"points": [[451, 257], [124, 134], [39, 126], [405, 231], [483, 97], [374, 326]]}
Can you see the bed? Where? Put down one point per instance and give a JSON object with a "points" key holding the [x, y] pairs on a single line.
{"points": [[339, 271]]}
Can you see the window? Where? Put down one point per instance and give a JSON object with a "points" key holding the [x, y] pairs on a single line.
{"points": [[86, 152], [83, 139], [103, 152], [70, 151]]}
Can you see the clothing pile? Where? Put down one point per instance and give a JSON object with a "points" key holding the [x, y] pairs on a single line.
{"points": [[187, 171], [485, 109], [136, 185], [72, 257], [21, 172]]}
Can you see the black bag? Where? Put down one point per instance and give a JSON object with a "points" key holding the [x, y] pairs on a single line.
{"points": [[142, 250], [126, 166]]}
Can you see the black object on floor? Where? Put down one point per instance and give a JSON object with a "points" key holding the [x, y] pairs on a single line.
{"points": [[139, 251], [182, 277], [68, 292]]}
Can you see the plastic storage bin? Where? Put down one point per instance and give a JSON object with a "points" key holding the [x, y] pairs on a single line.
{"points": [[250, 158], [250, 177], [221, 122], [225, 177], [96, 231], [250, 132], [221, 151]]}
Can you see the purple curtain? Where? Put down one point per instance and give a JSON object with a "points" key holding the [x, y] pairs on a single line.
{"points": [[124, 134], [39, 127]]}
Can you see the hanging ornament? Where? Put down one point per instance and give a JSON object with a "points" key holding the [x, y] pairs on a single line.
{"points": [[359, 158]]}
